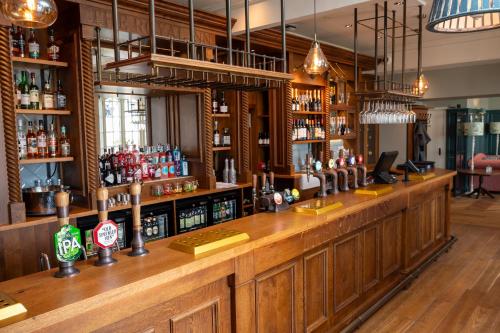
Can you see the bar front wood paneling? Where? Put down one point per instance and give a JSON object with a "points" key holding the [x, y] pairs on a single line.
{"points": [[286, 277]]}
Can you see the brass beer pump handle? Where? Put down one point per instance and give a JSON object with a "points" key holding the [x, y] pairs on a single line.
{"points": [[135, 197], [62, 206]]}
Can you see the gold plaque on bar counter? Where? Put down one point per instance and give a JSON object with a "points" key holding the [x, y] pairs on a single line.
{"points": [[9, 309], [375, 190], [317, 207], [423, 176], [207, 241]]}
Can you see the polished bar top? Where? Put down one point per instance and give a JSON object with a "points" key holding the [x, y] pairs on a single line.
{"points": [[48, 299]]}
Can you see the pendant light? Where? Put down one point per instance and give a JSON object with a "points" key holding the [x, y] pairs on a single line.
{"points": [[464, 15], [35, 14], [421, 85], [316, 62]]}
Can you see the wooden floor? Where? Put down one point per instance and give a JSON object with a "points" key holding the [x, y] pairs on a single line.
{"points": [[461, 291]]}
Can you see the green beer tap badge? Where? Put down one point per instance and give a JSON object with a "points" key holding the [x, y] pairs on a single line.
{"points": [[67, 242]]}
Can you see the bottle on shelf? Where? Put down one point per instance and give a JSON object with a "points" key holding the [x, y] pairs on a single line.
{"points": [[47, 96], [22, 143], [216, 134], [41, 140], [25, 91], [33, 45], [52, 144], [18, 92], [215, 104], [232, 172], [31, 141], [223, 108], [52, 48], [21, 41], [184, 166], [226, 138], [14, 42], [34, 94], [225, 172], [60, 97], [294, 100], [64, 145]]}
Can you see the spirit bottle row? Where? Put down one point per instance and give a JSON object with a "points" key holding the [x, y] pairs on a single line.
{"points": [[29, 96], [38, 143], [219, 105], [150, 162], [263, 138], [29, 46], [223, 140], [308, 129], [338, 125], [307, 100]]}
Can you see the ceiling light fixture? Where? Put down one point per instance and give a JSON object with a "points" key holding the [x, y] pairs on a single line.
{"points": [[348, 25], [398, 3], [464, 15], [315, 62], [421, 85], [35, 14]]}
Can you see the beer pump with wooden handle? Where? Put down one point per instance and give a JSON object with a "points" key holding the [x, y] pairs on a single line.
{"points": [[104, 253], [137, 240], [66, 265]]}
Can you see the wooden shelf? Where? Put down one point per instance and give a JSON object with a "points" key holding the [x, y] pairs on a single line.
{"points": [[221, 115], [343, 107], [45, 160], [308, 113], [263, 115], [40, 62], [350, 136], [153, 181], [264, 146], [44, 112], [221, 148], [301, 142]]}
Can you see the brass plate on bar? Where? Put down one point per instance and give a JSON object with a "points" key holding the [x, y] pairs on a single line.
{"points": [[375, 190], [317, 207], [9, 309], [208, 241], [425, 176]]}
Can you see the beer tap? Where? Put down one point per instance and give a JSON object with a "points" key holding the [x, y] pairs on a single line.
{"points": [[105, 255], [66, 268], [263, 180], [332, 173], [362, 171], [318, 168], [271, 182], [254, 191], [308, 167], [353, 171], [137, 240]]}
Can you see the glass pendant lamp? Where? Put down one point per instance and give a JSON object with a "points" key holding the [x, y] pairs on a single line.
{"points": [[35, 14], [464, 15], [421, 85], [316, 62]]}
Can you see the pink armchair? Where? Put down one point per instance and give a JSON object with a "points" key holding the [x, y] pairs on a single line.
{"points": [[481, 161]]}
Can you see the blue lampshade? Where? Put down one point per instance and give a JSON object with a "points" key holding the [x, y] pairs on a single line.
{"points": [[464, 15]]}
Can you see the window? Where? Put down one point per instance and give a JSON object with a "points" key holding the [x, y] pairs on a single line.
{"points": [[122, 121]]}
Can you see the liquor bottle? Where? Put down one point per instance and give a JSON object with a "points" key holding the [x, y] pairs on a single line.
{"points": [[320, 101], [223, 105], [64, 143], [52, 48], [215, 104], [260, 141], [60, 96], [232, 173], [184, 166], [31, 141], [225, 172], [216, 134], [18, 92], [267, 139], [25, 91], [47, 97], [21, 140], [226, 138], [294, 131], [14, 42], [293, 100], [34, 94], [33, 45], [52, 141], [177, 154], [21, 41], [41, 140]]}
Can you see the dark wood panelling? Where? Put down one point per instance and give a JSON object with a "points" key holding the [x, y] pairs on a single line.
{"points": [[316, 289], [427, 222], [371, 257], [347, 271], [439, 226], [412, 233], [391, 244], [279, 299], [202, 319]]}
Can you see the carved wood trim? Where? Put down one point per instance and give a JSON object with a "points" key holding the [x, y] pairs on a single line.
{"points": [[245, 137], [288, 118], [326, 124], [209, 159], [9, 117], [90, 114]]}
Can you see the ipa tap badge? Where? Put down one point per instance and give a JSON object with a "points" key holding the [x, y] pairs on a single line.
{"points": [[105, 234], [67, 242]]}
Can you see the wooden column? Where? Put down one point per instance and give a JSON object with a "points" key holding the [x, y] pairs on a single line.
{"points": [[244, 143]]}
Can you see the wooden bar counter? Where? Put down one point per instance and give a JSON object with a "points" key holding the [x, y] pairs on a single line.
{"points": [[297, 273]]}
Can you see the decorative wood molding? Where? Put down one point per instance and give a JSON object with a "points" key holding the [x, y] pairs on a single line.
{"points": [[289, 126], [90, 115], [244, 143], [9, 117], [326, 103], [209, 158]]}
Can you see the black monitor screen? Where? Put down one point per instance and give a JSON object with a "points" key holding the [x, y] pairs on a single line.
{"points": [[385, 162]]}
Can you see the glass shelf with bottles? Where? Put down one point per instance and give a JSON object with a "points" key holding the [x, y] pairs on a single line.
{"points": [[341, 127], [307, 101], [309, 130], [221, 142], [219, 105], [25, 48], [37, 145]]}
